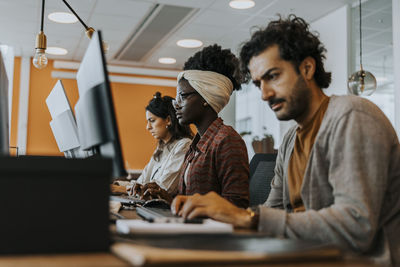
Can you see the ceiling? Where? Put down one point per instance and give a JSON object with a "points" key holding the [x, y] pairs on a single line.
{"points": [[212, 21]]}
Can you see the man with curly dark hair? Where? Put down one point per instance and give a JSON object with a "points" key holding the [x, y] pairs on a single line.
{"points": [[217, 158], [337, 174]]}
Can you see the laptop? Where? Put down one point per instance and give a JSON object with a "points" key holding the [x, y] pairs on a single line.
{"points": [[127, 200], [163, 215], [54, 205]]}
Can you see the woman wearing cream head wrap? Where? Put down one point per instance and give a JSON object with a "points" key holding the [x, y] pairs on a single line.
{"points": [[215, 88], [217, 159]]}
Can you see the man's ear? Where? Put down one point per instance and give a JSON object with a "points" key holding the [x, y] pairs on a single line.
{"points": [[307, 68]]}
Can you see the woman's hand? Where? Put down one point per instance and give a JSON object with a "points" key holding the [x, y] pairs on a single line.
{"points": [[213, 206], [134, 189], [153, 190]]}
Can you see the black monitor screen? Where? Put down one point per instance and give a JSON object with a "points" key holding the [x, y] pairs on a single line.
{"points": [[4, 130], [95, 115]]}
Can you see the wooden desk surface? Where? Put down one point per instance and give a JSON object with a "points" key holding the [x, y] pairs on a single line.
{"points": [[108, 259], [61, 260]]}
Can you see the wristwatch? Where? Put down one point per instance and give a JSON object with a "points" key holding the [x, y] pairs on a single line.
{"points": [[254, 213]]}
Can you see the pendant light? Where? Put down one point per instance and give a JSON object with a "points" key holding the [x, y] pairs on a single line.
{"points": [[40, 59], [362, 82]]}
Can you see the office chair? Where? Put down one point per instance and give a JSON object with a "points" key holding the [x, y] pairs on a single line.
{"points": [[261, 174]]}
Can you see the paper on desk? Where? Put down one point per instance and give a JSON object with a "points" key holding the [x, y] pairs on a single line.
{"points": [[144, 227]]}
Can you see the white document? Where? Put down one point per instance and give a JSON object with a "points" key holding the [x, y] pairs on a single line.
{"points": [[145, 227]]}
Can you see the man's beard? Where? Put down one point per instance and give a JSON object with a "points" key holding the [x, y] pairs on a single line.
{"points": [[297, 103]]}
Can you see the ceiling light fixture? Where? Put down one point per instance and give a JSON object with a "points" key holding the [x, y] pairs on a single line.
{"points": [[62, 17], [40, 59], [361, 82], [89, 30], [241, 4], [59, 51], [167, 60], [189, 43]]}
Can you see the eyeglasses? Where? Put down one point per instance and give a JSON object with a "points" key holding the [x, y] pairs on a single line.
{"points": [[181, 97]]}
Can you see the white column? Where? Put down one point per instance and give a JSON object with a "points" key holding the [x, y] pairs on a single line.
{"points": [[396, 63], [23, 105]]}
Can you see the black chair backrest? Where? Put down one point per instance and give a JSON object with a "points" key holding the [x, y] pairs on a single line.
{"points": [[261, 174]]}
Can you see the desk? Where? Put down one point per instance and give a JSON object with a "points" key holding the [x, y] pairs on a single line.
{"points": [[161, 247], [108, 259], [67, 260]]}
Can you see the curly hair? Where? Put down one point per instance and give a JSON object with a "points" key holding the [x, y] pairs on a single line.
{"points": [[162, 107], [214, 58], [295, 42]]}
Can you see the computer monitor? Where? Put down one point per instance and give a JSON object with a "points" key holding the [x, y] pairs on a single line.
{"points": [[4, 126], [95, 114], [63, 122], [61, 205]]}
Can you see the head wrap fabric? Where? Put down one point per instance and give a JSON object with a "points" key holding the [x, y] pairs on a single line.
{"points": [[215, 88]]}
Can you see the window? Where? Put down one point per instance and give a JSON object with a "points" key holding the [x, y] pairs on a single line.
{"points": [[377, 50]]}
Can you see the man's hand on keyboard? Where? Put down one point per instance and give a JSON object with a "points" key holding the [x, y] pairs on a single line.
{"points": [[213, 206]]}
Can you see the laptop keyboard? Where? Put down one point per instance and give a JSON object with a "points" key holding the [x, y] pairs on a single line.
{"points": [[160, 215], [127, 200]]}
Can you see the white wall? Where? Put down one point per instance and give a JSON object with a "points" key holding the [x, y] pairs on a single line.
{"points": [[335, 33], [396, 62]]}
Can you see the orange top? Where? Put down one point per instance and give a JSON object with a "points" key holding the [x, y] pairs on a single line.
{"points": [[303, 144]]}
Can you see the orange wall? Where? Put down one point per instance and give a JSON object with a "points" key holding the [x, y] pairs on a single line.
{"points": [[40, 138], [129, 101], [15, 105]]}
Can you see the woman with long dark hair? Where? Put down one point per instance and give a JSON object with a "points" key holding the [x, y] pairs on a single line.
{"points": [[173, 143]]}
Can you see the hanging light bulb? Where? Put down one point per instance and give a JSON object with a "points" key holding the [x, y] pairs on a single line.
{"points": [[362, 82], [40, 59]]}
